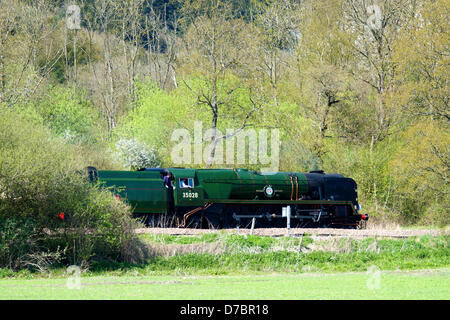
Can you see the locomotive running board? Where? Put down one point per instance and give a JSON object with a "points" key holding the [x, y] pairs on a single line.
{"points": [[281, 202]]}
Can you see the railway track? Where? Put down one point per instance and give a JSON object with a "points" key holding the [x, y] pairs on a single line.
{"points": [[319, 232]]}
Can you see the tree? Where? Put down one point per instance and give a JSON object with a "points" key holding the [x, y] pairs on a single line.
{"points": [[321, 56], [280, 29], [422, 58], [218, 49], [109, 83], [161, 42], [27, 48], [375, 27], [131, 32], [421, 173]]}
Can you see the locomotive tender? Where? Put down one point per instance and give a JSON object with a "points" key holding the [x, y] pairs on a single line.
{"points": [[226, 198]]}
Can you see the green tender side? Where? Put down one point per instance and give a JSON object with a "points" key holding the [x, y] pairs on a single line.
{"points": [[143, 190]]}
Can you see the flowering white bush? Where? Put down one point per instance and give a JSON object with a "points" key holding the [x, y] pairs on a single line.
{"points": [[135, 155]]}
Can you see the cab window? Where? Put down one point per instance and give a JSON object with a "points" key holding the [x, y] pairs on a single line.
{"points": [[186, 183]]}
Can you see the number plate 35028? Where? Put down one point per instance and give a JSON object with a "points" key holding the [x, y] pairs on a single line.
{"points": [[190, 195]]}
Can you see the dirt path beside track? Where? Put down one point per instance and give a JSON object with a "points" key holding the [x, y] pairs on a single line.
{"points": [[277, 232]]}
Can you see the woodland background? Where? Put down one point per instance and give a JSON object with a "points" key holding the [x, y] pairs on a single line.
{"points": [[352, 90]]}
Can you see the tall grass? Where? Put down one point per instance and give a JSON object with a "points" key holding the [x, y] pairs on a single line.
{"points": [[233, 254], [219, 254]]}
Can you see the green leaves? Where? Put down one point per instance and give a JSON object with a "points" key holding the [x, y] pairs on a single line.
{"points": [[69, 114], [40, 177]]}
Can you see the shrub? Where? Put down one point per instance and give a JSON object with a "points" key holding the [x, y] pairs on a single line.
{"points": [[50, 212], [136, 155]]}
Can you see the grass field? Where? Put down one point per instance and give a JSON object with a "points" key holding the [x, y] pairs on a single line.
{"points": [[419, 284], [215, 254], [219, 266]]}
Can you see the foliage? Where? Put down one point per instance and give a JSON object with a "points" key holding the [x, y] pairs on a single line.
{"points": [[158, 113], [422, 173], [422, 58], [135, 155], [69, 114], [49, 203], [350, 94]]}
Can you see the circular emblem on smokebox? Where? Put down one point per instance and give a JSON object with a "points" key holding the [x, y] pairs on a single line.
{"points": [[268, 191]]}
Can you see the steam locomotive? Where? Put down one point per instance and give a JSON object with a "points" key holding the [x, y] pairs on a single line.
{"points": [[228, 198]]}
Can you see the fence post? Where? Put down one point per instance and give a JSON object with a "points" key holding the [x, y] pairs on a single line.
{"points": [[253, 225], [300, 243], [288, 215]]}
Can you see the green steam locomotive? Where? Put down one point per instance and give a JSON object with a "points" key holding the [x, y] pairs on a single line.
{"points": [[227, 198]]}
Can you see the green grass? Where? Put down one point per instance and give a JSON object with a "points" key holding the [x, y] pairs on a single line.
{"points": [[293, 262], [426, 227], [424, 284], [239, 255], [171, 239], [253, 267], [229, 239], [250, 254]]}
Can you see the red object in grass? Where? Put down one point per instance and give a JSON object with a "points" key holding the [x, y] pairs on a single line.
{"points": [[117, 197], [61, 215]]}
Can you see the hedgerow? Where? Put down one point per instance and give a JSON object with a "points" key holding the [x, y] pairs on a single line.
{"points": [[49, 211]]}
